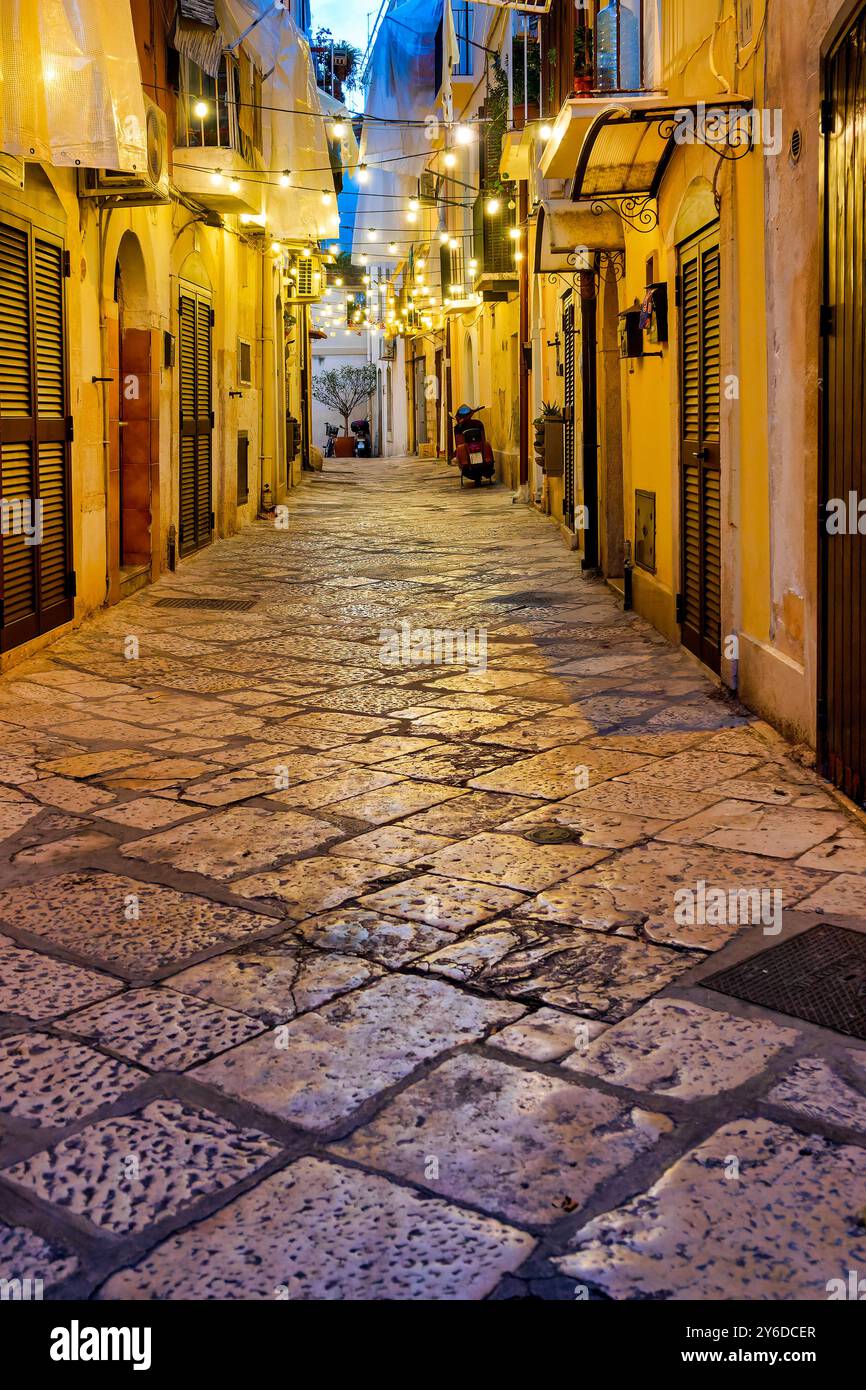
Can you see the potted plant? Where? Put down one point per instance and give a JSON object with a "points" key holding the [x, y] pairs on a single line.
{"points": [[583, 52], [548, 438]]}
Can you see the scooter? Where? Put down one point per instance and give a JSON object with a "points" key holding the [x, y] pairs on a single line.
{"points": [[363, 442], [474, 455], [331, 432]]}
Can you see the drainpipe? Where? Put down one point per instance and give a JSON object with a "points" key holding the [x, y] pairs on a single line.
{"points": [[267, 481], [522, 364], [103, 217]]}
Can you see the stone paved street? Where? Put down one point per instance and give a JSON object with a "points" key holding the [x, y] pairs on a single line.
{"points": [[327, 978]]}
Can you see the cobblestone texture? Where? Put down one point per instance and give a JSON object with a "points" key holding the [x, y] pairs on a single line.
{"points": [[324, 978]]}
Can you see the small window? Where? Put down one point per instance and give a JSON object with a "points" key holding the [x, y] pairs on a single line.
{"points": [[243, 467], [245, 363]]}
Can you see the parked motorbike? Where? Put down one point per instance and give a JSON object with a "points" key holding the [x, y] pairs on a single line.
{"points": [[363, 442], [331, 432], [474, 455]]}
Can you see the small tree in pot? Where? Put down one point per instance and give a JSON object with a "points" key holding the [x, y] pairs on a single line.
{"points": [[344, 388]]}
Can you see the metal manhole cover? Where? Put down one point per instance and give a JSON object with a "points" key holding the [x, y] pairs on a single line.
{"points": [[223, 605], [553, 835], [818, 976]]}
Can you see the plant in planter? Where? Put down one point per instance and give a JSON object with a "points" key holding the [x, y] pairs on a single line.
{"points": [[550, 415], [527, 83], [583, 52], [344, 388]]}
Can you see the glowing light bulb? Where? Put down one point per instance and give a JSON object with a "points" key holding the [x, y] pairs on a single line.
{"points": [[234, 185], [216, 178], [453, 244], [473, 265], [411, 217], [200, 110], [546, 132], [514, 233], [339, 282], [326, 197], [363, 173], [392, 247], [372, 235], [443, 238], [276, 247], [449, 159], [518, 255], [492, 206], [338, 129], [464, 135]]}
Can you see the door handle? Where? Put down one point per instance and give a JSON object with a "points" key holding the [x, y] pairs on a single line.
{"points": [[701, 454]]}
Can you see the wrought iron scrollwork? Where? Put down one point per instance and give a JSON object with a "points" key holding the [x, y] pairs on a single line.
{"points": [[640, 210], [727, 131]]}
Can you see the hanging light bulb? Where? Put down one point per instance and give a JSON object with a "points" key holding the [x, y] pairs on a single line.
{"points": [[285, 178], [339, 282], [546, 132], [338, 129], [392, 248], [276, 247], [473, 265], [362, 173], [234, 185], [443, 238], [464, 134], [449, 159], [200, 110], [216, 177], [491, 207], [514, 233], [411, 216], [453, 244], [326, 196], [420, 262], [372, 234]]}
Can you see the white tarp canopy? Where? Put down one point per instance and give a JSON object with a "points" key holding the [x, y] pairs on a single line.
{"points": [[294, 127], [70, 86], [401, 128]]}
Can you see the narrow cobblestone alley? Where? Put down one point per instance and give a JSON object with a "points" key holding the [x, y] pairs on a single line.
{"points": [[328, 978]]}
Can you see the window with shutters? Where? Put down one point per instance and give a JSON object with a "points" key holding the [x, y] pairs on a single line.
{"points": [[196, 419], [36, 583], [700, 406]]}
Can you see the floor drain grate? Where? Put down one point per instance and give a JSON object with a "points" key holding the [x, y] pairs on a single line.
{"points": [[818, 976], [221, 605], [552, 835]]}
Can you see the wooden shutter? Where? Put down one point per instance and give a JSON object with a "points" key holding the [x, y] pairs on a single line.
{"points": [[35, 578], [568, 392], [842, 641], [700, 410], [196, 420]]}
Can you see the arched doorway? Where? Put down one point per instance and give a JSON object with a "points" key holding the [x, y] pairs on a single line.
{"points": [[132, 459], [468, 382]]}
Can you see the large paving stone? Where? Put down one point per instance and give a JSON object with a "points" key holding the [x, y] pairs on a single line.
{"points": [[245, 839], [511, 862], [161, 1029], [314, 884], [53, 1082], [133, 927], [513, 1142], [454, 904], [551, 775], [784, 1228], [597, 976], [676, 1048], [782, 832], [320, 1231], [356, 930], [813, 1090], [317, 1070], [643, 883], [124, 1175], [36, 987], [274, 982], [26, 1256]]}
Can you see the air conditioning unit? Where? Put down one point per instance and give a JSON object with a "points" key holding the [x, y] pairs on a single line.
{"points": [[147, 186], [305, 279]]}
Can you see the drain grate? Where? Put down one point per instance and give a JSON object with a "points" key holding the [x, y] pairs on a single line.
{"points": [[221, 605], [552, 834], [818, 976]]}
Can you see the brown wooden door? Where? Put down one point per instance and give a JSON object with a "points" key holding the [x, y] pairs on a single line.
{"points": [[196, 420], [842, 682], [700, 603], [36, 581]]}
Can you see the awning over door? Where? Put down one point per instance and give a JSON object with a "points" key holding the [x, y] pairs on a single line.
{"points": [[70, 86], [565, 228], [626, 149]]}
